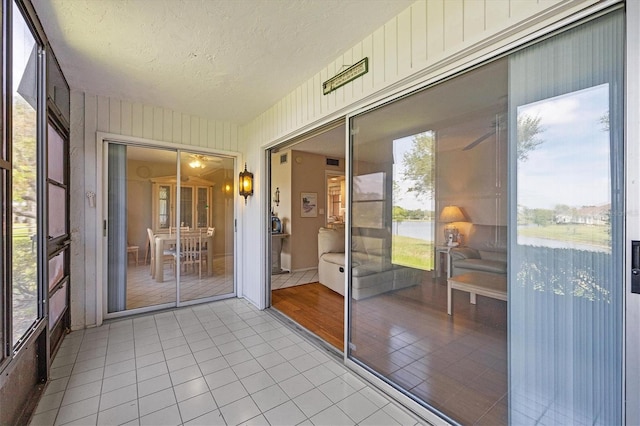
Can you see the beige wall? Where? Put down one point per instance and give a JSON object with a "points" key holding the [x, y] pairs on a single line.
{"points": [[281, 178], [306, 173]]}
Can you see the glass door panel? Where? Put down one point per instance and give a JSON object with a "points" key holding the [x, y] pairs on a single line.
{"points": [[206, 264], [565, 321], [426, 167]]}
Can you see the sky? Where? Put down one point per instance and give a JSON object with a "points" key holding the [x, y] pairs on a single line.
{"points": [[572, 165]]}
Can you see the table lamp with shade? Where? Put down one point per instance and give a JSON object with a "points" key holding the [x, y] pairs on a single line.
{"points": [[449, 215]]}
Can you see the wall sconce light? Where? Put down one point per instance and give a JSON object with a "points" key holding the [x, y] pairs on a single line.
{"points": [[449, 215], [227, 187], [245, 183], [276, 198]]}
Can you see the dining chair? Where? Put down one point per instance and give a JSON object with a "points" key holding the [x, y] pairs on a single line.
{"points": [[167, 257], [190, 253], [134, 251]]}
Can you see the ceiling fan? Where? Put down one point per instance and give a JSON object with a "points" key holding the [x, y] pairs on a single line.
{"points": [[479, 140], [495, 125], [199, 161]]}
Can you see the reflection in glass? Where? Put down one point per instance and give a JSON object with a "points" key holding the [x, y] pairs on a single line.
{"points": [[413, 226], [24, 158], [564, 176]]}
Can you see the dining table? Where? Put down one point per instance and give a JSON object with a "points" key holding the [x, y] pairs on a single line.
{"points": [[165, 242]]}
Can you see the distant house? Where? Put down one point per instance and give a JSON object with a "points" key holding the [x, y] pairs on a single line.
{"points": [[586, 215]]}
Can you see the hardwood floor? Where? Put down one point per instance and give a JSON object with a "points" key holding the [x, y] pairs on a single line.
{"points": [[455, 363], [316, 308]]}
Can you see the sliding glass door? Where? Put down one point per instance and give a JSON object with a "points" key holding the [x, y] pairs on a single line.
{"points": [[486, 235], [206, 221], [169, 226]]}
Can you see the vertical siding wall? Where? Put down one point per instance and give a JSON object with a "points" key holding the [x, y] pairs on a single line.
{"points": [[427, 32], [423, 40], [91, 114]]}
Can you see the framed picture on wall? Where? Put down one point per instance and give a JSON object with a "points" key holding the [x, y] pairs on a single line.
{"points": [[309, 204]]}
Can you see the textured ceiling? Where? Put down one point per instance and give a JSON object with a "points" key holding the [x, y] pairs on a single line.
{"points": [[225, 60]]}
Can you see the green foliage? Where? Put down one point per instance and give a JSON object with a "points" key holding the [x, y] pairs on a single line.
{"points": [[540, 217], [401, 214], [24, 157], [554, 273], [528, 130], [419, 165], [604, 120], [24, 206]]}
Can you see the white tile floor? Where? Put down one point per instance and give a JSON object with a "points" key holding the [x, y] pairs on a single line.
{"points": [[223, 363]]}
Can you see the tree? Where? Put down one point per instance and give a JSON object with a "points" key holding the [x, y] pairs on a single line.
{"points": [[528, 130], [419, 165], [604, 120]]}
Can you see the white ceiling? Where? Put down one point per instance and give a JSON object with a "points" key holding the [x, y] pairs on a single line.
{"points": [[226, 60]]}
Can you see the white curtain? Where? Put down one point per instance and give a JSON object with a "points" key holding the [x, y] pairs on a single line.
{"points": [[117, 229], [566, 224]]}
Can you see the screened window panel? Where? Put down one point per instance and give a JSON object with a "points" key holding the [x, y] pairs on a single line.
{"points": [[57, 211], [566, 284], [56, 269], [56, 155], [57, 304]]}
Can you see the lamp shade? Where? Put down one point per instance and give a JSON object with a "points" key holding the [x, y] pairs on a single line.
{"points": [[452, 214]]}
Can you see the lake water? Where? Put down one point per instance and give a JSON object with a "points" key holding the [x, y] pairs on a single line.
{"points": [[422, 229]]}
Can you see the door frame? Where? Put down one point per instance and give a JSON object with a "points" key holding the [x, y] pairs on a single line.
{"points": [[100, 197], [631, 320]]}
